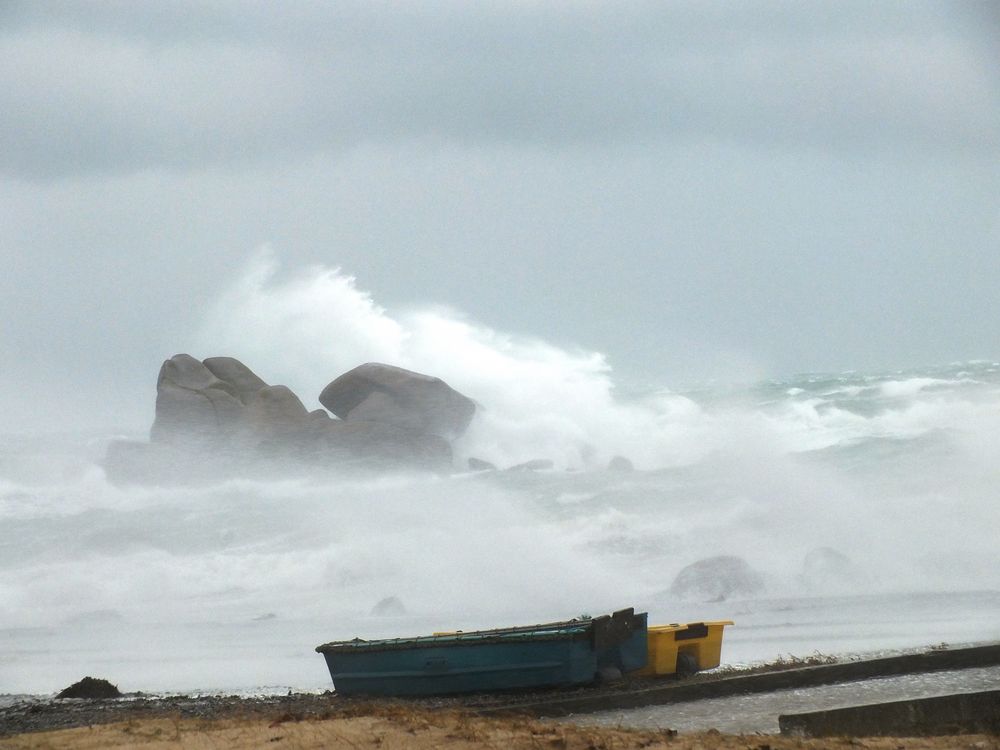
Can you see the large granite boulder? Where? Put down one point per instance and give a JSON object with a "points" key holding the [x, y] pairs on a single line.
{"points": [[221, 400], [390, 395], [192, 404], [218, 418], [244, 381], [717, 579], [375, 445], [274, 410]]}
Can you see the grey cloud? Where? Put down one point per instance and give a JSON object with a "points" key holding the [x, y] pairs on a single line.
{"points": [[133, 86]]}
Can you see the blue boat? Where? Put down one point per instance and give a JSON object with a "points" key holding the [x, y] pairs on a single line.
{"points": [[570, 652]]}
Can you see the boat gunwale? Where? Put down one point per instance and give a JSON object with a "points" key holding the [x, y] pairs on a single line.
{"points": [[451, 640], [477, 669]]}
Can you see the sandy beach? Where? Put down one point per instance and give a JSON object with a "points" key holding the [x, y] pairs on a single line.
{"points": [[322, 722]]}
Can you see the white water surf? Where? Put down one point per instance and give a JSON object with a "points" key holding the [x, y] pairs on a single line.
{"points": [[230, 585]]}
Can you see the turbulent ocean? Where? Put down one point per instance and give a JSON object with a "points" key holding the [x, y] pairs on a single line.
{"points": [[229, 585]]}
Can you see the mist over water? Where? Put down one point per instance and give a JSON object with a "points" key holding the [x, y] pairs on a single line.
{"points": [[231, 584]]}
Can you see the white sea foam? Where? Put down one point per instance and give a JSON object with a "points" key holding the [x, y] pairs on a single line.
{"points": [[911, 386]]}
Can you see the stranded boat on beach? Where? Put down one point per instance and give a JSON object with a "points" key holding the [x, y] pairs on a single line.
{"points": [[558, 653], [570, 652]]}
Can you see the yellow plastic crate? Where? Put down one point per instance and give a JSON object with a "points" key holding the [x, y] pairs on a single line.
{"points": [[686, 647]]}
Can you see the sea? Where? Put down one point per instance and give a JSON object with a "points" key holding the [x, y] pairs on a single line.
{"points": [[229, 585]]}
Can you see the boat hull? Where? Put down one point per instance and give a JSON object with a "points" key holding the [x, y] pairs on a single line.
{"points": [[553, 654], [462, 668]]}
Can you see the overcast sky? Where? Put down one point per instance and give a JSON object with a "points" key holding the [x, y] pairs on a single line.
{"points": [[694, 189]]}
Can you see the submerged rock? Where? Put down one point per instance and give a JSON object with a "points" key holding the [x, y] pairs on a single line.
{"points": [[717, 578], [620, 463], [824, 568], [478, 464], [537, 464], [376, 444], [91, 687], [375, 392]]}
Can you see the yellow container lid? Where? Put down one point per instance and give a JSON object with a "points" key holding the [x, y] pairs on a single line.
{"points": [[686, 625]]}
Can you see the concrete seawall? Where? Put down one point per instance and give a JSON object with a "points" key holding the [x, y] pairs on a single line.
{"points": [[670, 690], [962, 713]]}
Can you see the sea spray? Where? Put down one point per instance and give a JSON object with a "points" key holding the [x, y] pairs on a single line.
{"points": [[231, 583], [537, 400]]}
